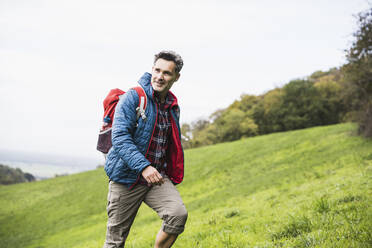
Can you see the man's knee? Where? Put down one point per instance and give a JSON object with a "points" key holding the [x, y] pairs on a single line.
{"points": [[182, 214], [175, 220]]}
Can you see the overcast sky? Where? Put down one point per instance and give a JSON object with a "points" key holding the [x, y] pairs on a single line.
{"points": [[59, 59]]}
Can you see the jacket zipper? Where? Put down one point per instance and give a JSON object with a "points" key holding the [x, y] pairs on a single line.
{"points": [[148, 148]]}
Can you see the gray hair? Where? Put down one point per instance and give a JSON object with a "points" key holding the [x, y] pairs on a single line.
{"points": [[170, 56]]}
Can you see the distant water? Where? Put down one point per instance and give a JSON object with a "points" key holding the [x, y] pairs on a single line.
{"points": [[45, 165]]}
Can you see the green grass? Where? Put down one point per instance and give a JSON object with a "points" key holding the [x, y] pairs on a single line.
{"points": [[306, 188]]}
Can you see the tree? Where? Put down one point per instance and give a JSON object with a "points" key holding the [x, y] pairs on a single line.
{"points": [[268, 112], [235, 124], [10, 175], [201, 133], [245, 104], [329, 96], [186, 135], [358, 72]]}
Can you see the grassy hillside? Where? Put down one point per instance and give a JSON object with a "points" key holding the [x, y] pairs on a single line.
{"points": [[306, 188]]}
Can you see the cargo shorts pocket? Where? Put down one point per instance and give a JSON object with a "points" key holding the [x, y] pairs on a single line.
{"points": [[113, 199]]}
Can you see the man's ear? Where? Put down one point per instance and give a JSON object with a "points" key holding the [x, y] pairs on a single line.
{"points": [[177, 77]]}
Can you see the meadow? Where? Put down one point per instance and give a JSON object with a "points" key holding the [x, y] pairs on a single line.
{"points": [[304, 188]]}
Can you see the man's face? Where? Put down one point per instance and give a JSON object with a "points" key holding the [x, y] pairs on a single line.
{"points": [[163, 76]]}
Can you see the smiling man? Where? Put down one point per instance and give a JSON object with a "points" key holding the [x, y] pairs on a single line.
{"points": [[146, 160]]}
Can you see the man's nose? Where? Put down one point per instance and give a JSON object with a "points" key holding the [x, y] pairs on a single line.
{"points": [[160, 76]]}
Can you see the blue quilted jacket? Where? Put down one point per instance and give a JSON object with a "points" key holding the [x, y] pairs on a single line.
{"points": [[127, 156]]}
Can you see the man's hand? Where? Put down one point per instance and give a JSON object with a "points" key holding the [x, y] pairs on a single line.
{"points": [[152, 176]]}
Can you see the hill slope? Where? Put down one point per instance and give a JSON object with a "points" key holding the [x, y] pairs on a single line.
{"points": [[306, 188]]}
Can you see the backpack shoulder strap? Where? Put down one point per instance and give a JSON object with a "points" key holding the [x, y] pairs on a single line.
{"points": [[142, 102]]}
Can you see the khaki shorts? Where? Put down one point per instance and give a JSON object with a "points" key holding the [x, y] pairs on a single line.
{"points": [[123, 204]]}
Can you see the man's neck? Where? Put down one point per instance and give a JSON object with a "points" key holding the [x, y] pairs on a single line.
{"points": [[162, 97]]}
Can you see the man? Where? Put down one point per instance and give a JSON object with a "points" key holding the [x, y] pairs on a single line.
{"points": [[146, 159]]}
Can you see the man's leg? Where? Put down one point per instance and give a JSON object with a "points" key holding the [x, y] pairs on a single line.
{"points": [[166, 201], [164, 239], [122, 208]]}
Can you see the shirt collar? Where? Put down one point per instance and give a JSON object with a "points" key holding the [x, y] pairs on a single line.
{"points": [[168, 98]]}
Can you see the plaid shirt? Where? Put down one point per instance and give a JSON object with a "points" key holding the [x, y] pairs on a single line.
{"points": [[159, 143]]}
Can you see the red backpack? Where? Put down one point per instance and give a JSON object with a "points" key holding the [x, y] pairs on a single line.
{"points": [[109, 103]]}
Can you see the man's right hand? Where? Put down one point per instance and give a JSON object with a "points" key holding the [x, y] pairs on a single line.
{"points": [[152, 176]]}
